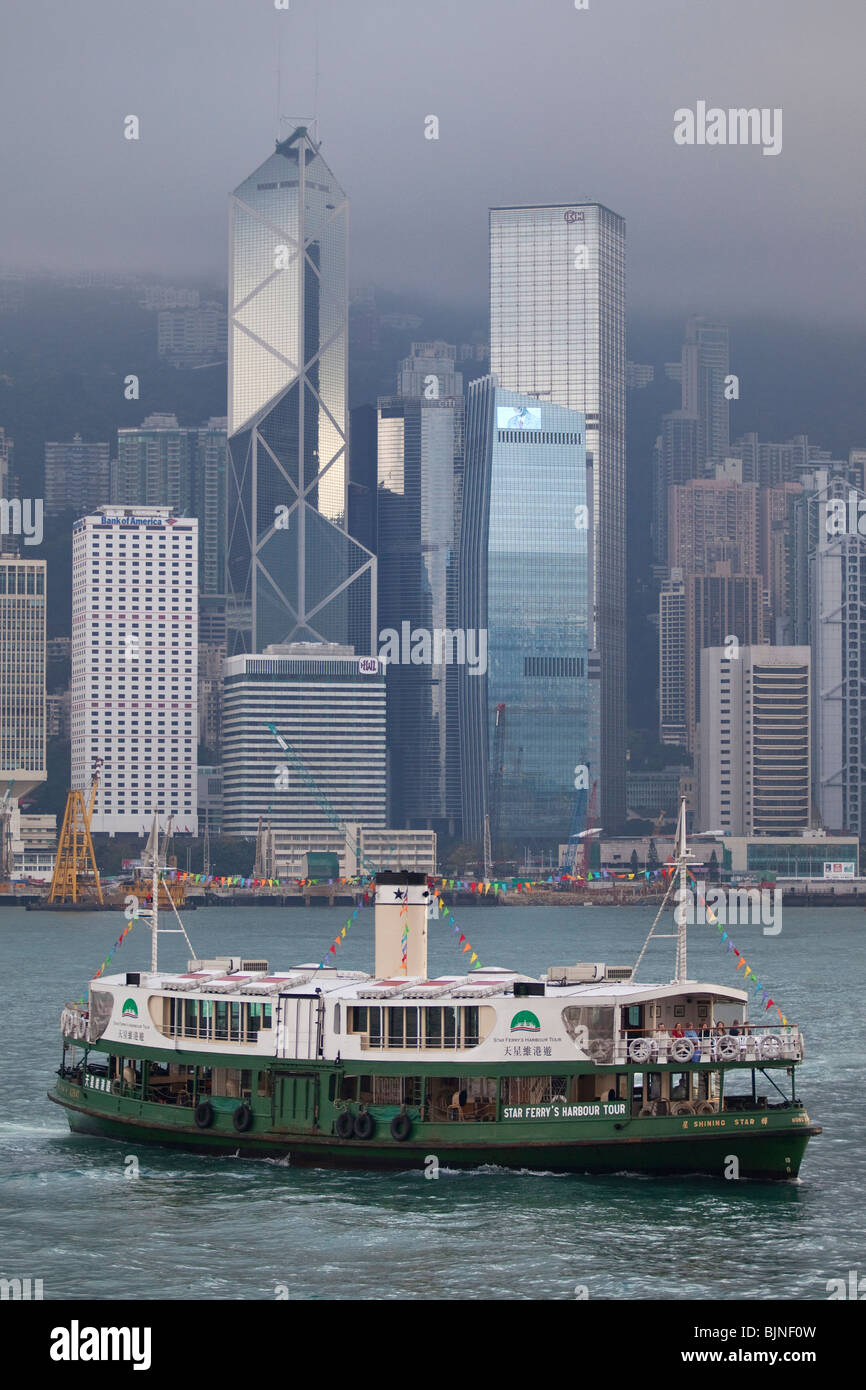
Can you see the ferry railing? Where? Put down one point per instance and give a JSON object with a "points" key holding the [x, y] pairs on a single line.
{"points": [[752, 1043]]}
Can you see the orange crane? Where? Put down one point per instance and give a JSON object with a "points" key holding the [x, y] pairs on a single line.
{"points": [[75, 873]]}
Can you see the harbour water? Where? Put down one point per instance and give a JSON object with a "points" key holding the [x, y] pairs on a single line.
{"points": [[193, 1227]]}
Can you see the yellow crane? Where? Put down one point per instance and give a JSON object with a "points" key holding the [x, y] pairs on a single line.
{"points": [[75, 873]]}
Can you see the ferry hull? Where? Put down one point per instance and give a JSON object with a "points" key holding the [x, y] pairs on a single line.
{"points": [[664, 1146]]}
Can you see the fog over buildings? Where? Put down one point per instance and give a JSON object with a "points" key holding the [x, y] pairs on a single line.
{"points": [[534, 104]]}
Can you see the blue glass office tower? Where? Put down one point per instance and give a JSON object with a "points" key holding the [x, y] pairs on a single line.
{"points": [[524, 577], [294, 573], [557, 331]]}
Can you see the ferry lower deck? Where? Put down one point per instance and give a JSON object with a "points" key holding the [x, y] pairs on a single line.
{"points": [[663, 1119]]}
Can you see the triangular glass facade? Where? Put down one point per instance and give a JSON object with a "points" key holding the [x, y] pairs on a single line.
{"points": [[294, 574]]}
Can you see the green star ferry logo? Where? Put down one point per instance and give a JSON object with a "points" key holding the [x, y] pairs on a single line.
{"points": [[130, 1009], [525, 1022]]}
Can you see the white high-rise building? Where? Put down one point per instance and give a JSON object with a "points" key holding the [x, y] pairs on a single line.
{"points": [[557, 331], [753, 741], [135, 665], [329, 707], [22, 675]]}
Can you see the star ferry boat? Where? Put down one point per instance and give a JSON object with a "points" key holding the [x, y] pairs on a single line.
{"points": [[577, 1071]]}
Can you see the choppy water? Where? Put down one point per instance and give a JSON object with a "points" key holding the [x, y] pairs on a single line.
{"points": [[201, 1227]]}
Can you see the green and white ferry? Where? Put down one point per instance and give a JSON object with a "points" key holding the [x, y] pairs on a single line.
{"points": [[575, 1071]]}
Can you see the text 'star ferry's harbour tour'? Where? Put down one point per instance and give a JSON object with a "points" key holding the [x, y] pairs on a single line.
{"points": [[578, 1071]]}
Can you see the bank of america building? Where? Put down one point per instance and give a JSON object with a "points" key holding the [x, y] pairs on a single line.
{"points": [[294, 573], [524, 577]]}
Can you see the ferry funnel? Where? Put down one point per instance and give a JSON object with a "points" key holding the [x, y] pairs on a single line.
{"points": [[401, 924]]}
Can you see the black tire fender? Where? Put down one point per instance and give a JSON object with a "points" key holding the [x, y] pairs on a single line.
{"points": [[345, 1125], [204, 1114], [242, 1119], [401, 1128], [364, 1125]]}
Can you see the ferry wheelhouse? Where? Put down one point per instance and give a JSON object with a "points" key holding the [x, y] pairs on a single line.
{"points": [[576, 1071]]}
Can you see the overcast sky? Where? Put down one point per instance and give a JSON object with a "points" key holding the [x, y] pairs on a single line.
{"points": [[536, 101]]}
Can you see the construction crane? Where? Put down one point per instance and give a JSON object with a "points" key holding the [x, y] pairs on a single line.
{"points": [[75, 873], [317, 793], [590, 829]]}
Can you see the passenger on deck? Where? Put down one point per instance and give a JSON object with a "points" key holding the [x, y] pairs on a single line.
{"points": [[692, 1035], [662, 1041], [677, 1032]]}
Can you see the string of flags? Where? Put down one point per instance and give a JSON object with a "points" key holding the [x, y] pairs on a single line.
{"points": [[742, 964], [463, 942], [105, 964], [463, 885], [341, 935]]}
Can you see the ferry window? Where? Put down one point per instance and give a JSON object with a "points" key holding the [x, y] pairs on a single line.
{"points": [[631, 1016], [264, 1086], [520, 1090], [190, 1013], [266, 1015], [433, 1027], [622, 1085], [654, 1085], [395, 1027], [679, 1085], [205, 1018], [336, 1022], [357, 1020], [348, 1088], [449, 1038], [411, 1027], [375, 1019], [221, 1020], [252, 1021], [234, 1021], [470, 1026]]}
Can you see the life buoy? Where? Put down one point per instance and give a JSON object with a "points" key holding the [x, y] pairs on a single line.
{"points": [[705, 1107], [728, 1048], [640, 1049], [242, 1118], [345, 1125], [682, 1107], [650, 1109], [204, 1114], [682, 1050], [771, 1047], [364, 1126], [401, 1127]]}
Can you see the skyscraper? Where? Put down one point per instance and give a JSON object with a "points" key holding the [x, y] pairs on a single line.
{"points": [[557, 332], [721, 610], [526, 727], [420, 458], [134, 658], [164, 464], [753, 743], [22, 674], [706, 360], [332, 715], [836, 558], [295, 573], [76, 476]]}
